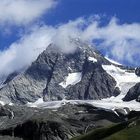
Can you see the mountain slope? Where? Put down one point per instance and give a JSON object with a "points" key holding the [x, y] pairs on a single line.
{"points": [[128, 130], [52, 124], [62, 95]]}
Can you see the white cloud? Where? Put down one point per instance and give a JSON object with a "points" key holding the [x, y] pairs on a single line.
{"points": [[122, 41], [64, 33], [21, 12], [21, 53]]}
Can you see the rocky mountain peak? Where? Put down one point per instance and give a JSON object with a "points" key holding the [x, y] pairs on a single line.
{"points": [[56, 75]]}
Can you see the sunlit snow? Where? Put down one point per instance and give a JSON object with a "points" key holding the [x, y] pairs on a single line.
{"points": [[125, 80], [36, 103], [92, 59], [110, 105], [71, 79], [2, 103], [112, 61], [121, 76]]}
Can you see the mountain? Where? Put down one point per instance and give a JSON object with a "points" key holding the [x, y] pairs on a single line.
{"points": [[63, 95], [56, 75]]}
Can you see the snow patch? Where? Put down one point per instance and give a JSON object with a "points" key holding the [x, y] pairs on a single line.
{"points": [[92, 59], [36, 103], [2, 103], [11, 104], [71, 79], [112, 61], [111, 104], [49, 104]]}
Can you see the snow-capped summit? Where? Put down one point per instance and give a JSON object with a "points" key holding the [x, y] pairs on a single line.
{"points": [[56, 75], [82, 75]]}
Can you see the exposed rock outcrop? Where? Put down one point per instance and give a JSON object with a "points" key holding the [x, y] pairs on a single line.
{"points": [[137, 71], [133, 93]]}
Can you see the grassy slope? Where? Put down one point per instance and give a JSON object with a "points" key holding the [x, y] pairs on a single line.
{"points": [[115, 132], [132, 133]]}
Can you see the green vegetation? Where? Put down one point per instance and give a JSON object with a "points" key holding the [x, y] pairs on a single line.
{"points": [[132, 133], [123, 131]]}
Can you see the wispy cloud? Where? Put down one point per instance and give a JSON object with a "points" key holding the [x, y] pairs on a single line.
{"points": [[22, 12], [21, 53], [120, 41]]}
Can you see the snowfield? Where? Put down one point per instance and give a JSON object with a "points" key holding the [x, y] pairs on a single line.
{"points": [[112, 61], [125, 80], [71, 79], [105, 104], [92, 59]]}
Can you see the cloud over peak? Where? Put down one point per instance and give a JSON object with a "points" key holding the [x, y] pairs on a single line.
{"points": [[21, 12], [119, 41]]}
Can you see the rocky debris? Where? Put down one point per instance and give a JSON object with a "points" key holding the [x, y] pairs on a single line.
{"points": [[123, 113], [133, 93], [6, 112], [53, 124], [137, 71]]}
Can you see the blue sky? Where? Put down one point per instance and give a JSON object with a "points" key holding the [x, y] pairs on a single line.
{"points": [[127, 11], [112, 26]]}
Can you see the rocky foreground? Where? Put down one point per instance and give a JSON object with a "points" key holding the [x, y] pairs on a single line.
{"points": [[64, 123]]}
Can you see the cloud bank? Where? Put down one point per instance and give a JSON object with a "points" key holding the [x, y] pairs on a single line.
{"points": [[119, 41], [22, 12]]}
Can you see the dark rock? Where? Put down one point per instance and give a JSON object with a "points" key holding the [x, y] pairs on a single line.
{"points": [[123, 112], [133, 93], [95, 84], [49, 124], [137, 71]]}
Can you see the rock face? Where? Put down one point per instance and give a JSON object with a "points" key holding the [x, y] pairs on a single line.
{"points": [[133, 93], [47, 75], [137, 71]]}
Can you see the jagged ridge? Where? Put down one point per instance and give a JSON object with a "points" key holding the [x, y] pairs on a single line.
{"points": [[43, 77]]}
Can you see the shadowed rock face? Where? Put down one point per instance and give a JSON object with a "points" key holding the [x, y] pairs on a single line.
{"points": [[43, 77], [137, 71], [64, 123], [133, 93]]}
